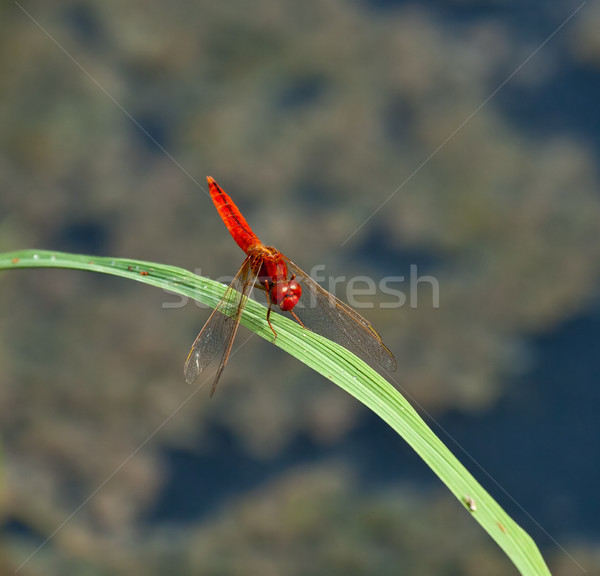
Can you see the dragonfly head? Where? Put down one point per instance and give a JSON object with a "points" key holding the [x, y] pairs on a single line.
{"points": [[286, 294]]}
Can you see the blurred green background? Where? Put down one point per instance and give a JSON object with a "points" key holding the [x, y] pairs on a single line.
{"points": [[311, 115]]}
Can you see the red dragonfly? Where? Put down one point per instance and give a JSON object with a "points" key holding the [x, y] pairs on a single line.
{"points": [[284, 285]]}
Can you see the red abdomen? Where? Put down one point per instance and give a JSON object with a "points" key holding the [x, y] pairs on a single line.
{"points": [[232, 217]]}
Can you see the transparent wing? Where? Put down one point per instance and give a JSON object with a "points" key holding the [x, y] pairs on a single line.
{"points": [[328, 316], [220, 329]]}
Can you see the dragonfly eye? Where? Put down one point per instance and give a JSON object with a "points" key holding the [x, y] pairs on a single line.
{"points": [[286, 294]]}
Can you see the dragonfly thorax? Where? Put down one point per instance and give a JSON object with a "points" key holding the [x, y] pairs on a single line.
{"points": [[273, 276]]}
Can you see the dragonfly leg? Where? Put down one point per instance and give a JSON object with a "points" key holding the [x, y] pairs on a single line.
{"points": [[298, 319], [269, 321], [266, 288]]}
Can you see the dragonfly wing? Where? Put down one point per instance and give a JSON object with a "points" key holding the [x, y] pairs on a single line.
{"points": [[328, 316], [220, 329]]}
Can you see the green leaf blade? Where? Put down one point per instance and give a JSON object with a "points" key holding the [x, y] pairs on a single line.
{"points": [[335, 363]]}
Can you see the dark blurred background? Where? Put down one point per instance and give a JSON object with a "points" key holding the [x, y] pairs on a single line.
{"points": [[311, 115]]}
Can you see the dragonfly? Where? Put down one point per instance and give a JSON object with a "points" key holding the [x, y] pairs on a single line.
{"points": [[285, 286]]}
